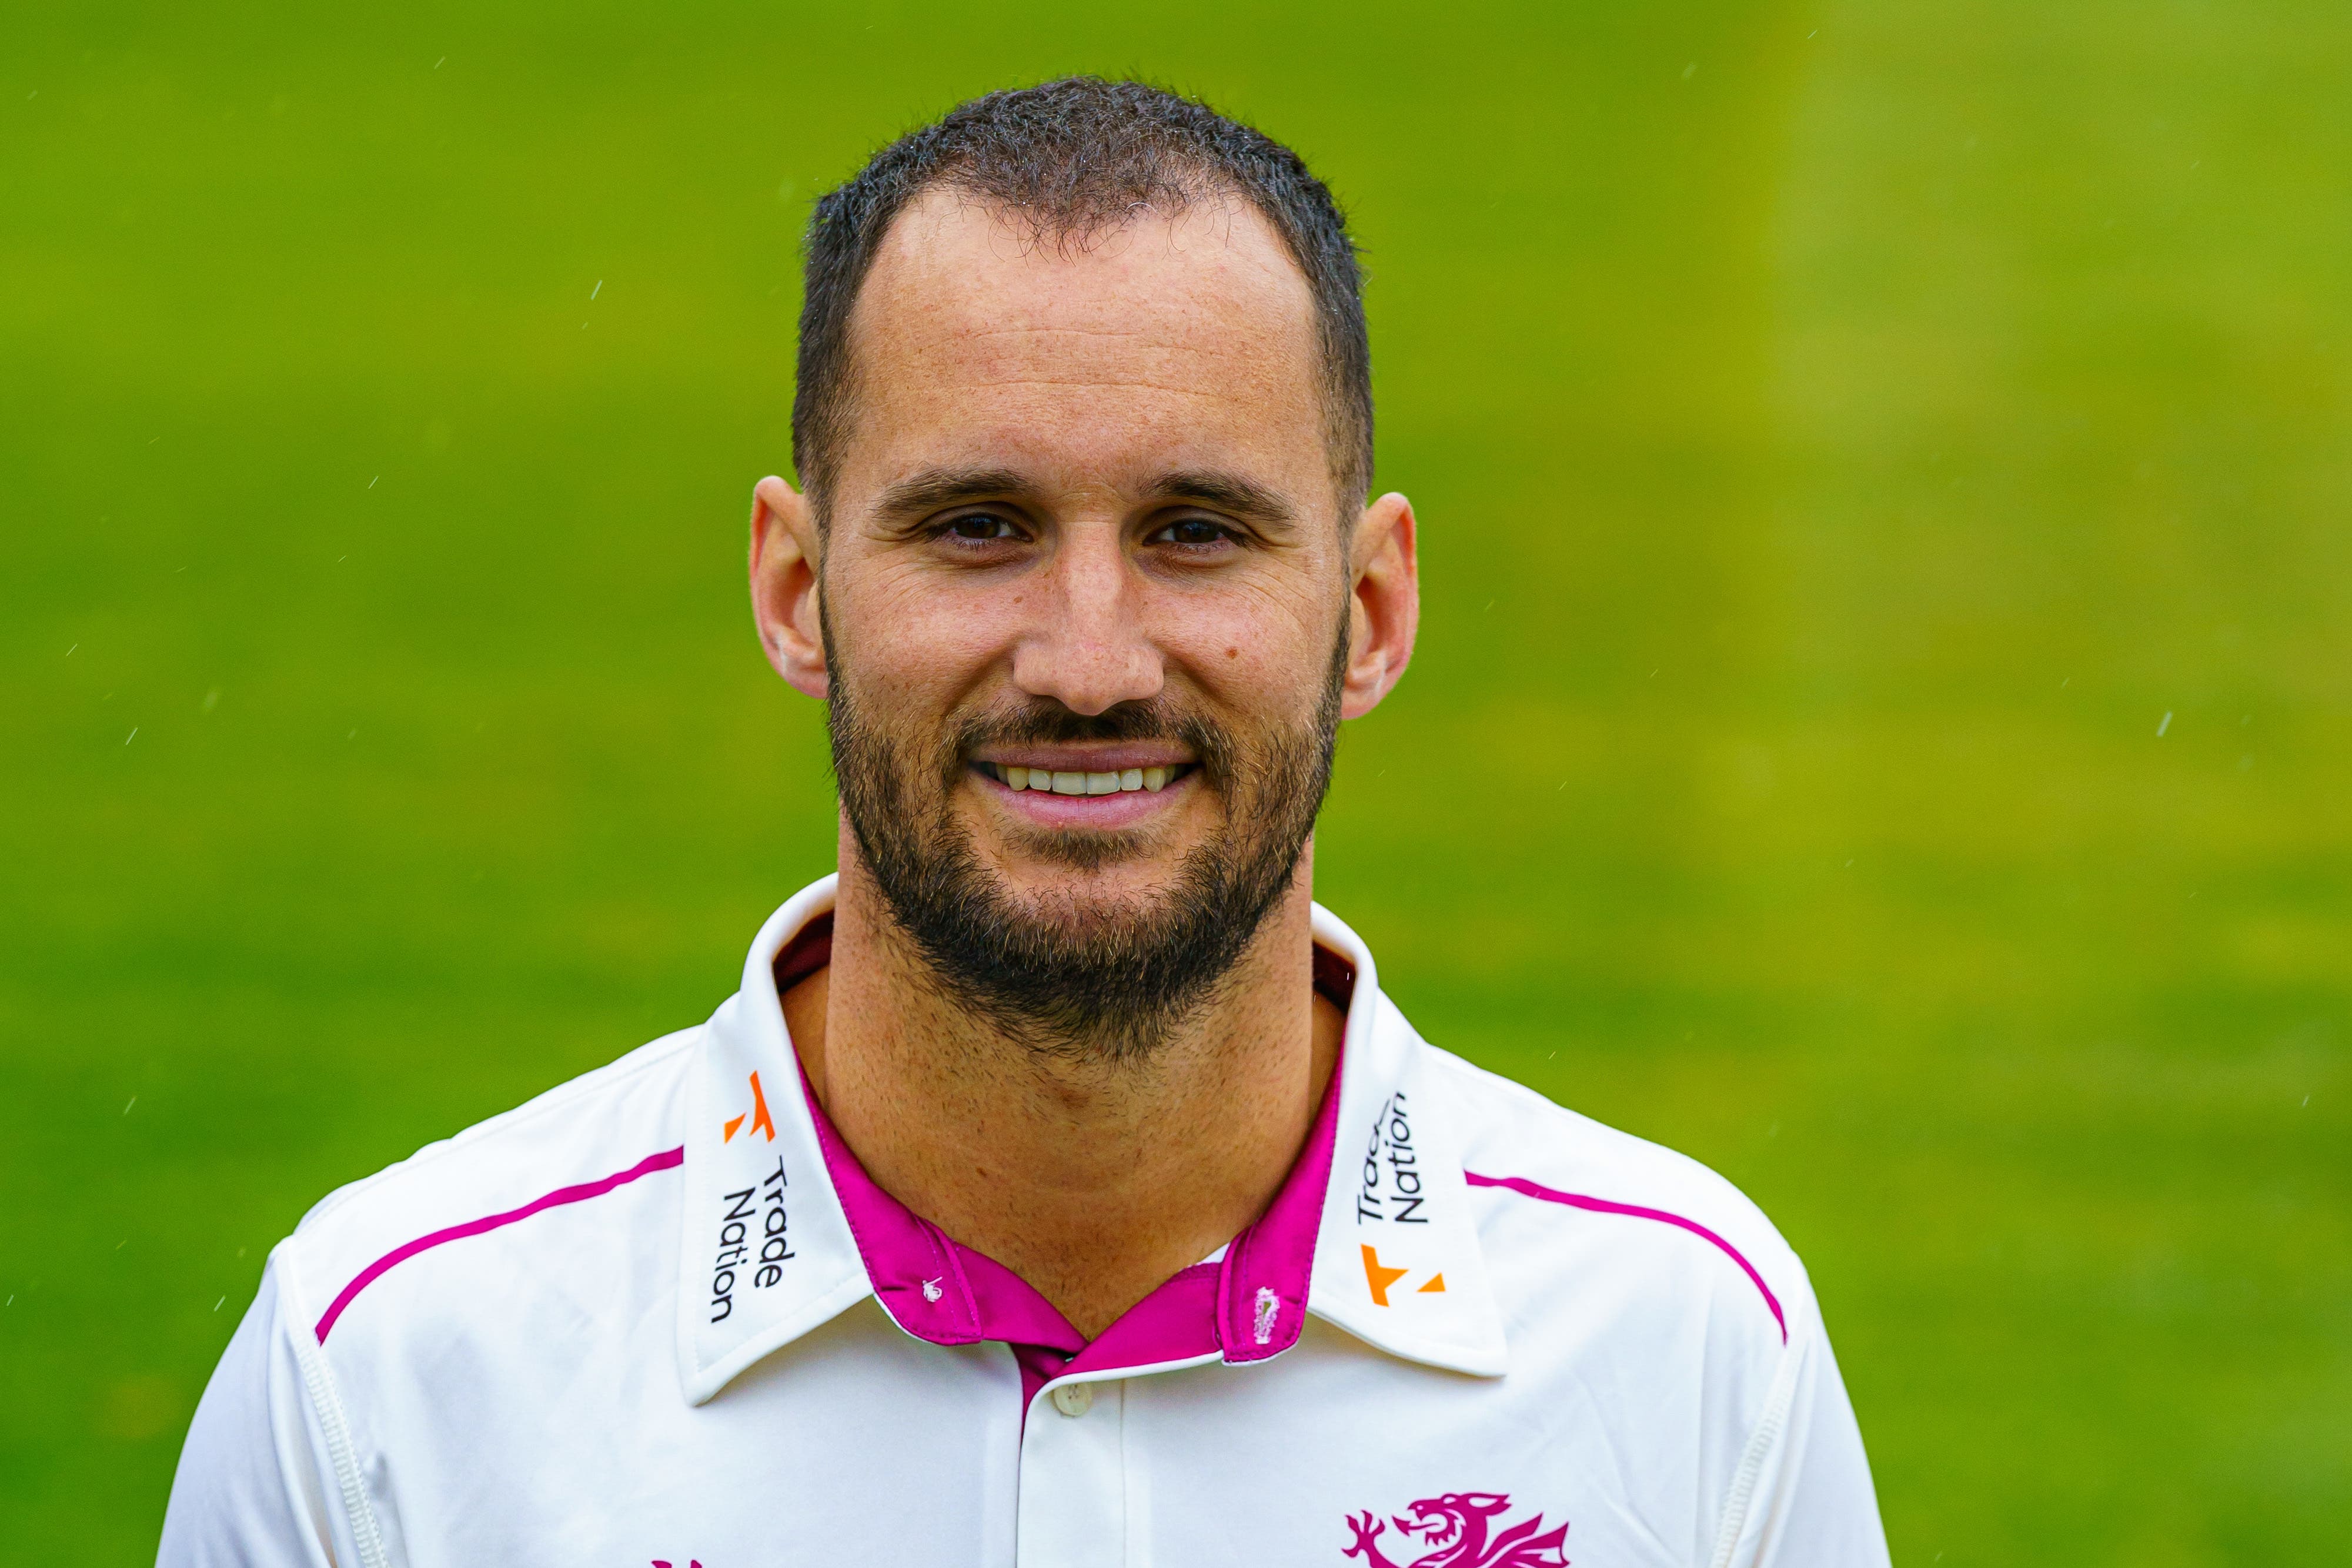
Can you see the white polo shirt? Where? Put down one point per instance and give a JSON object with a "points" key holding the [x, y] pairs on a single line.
{"points": [[660, 1316]]}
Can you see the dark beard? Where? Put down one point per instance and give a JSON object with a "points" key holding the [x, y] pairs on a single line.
{"points": [[1065, 979]]}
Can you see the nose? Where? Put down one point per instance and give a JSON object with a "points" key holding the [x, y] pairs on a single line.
{"points": [[1087, 649]]}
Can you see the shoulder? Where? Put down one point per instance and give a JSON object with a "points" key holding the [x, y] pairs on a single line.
{"points": [[1566, 1201], [464, 1215], [1646, 1299]]}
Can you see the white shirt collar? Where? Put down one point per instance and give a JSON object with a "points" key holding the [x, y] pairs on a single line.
{"points": [[768, 1251]]}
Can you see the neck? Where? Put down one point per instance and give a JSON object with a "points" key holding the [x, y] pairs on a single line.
{"points": [[1093, 1180]]}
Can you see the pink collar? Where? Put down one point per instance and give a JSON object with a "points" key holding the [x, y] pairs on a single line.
{"points": [[834, 1239], [1249, 1306]]}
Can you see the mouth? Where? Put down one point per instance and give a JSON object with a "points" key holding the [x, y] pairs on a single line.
{"points": [[1086, 781], [1436, 1529]]}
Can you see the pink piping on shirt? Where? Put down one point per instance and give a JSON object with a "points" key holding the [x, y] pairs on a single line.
{"points": [[1604, 1206], [668, 1159]]}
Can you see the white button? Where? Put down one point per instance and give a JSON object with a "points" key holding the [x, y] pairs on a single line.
{"points": [[1074, 1398]]}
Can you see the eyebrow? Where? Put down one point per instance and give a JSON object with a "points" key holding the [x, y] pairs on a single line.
{"points": [[931, 489], [1225, 491]]}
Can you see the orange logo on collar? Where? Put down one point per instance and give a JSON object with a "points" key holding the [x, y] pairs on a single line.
{"points": [[1379, 1277], [759, 1115]]}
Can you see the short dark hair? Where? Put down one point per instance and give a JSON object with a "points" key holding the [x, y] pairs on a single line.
{"points": [[1072, 158]]}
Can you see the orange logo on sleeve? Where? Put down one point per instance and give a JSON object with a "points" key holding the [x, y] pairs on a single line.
{"points": [[759, 1116]]}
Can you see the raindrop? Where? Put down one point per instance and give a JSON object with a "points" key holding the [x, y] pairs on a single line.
{"points": [[2164, 723]]}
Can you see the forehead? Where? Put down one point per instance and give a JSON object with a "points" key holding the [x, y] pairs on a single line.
{"points": [[1164, 342]]}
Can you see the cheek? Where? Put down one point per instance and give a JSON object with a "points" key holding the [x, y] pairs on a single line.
{"points": [[1262, 652], [914, 642]]}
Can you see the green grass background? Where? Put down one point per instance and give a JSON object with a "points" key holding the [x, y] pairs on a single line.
{"points": [[1843, 433]]}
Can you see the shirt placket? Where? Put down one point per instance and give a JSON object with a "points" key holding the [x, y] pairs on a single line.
{"points": [[1075, 1487]]}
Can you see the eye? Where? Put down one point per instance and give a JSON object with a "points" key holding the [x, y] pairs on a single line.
{"points": [[980, 527], [1193, 535]]}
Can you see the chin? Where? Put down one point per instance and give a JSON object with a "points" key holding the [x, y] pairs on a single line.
{"points": [[1104, 873], [1136, 861], [1059, 890]]}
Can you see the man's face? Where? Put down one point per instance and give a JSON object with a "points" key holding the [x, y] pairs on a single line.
{"points": [[1085, 594]]}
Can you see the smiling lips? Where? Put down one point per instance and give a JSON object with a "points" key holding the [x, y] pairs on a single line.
{"points": [[1060, 781]]}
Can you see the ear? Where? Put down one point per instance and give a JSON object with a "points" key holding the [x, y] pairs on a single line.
{"points": [[784, 586], [1383, 604]]}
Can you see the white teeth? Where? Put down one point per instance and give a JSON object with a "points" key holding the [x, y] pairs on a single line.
{"points": [[1110, 783]]}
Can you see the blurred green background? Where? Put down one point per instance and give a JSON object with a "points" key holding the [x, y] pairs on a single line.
{"points": [[1881, 723]]}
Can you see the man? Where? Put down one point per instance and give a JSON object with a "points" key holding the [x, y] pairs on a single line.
{"points": [[1059, 1188]]}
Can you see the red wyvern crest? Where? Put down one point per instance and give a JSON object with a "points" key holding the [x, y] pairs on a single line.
{"points": [[1457, 1528]]}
